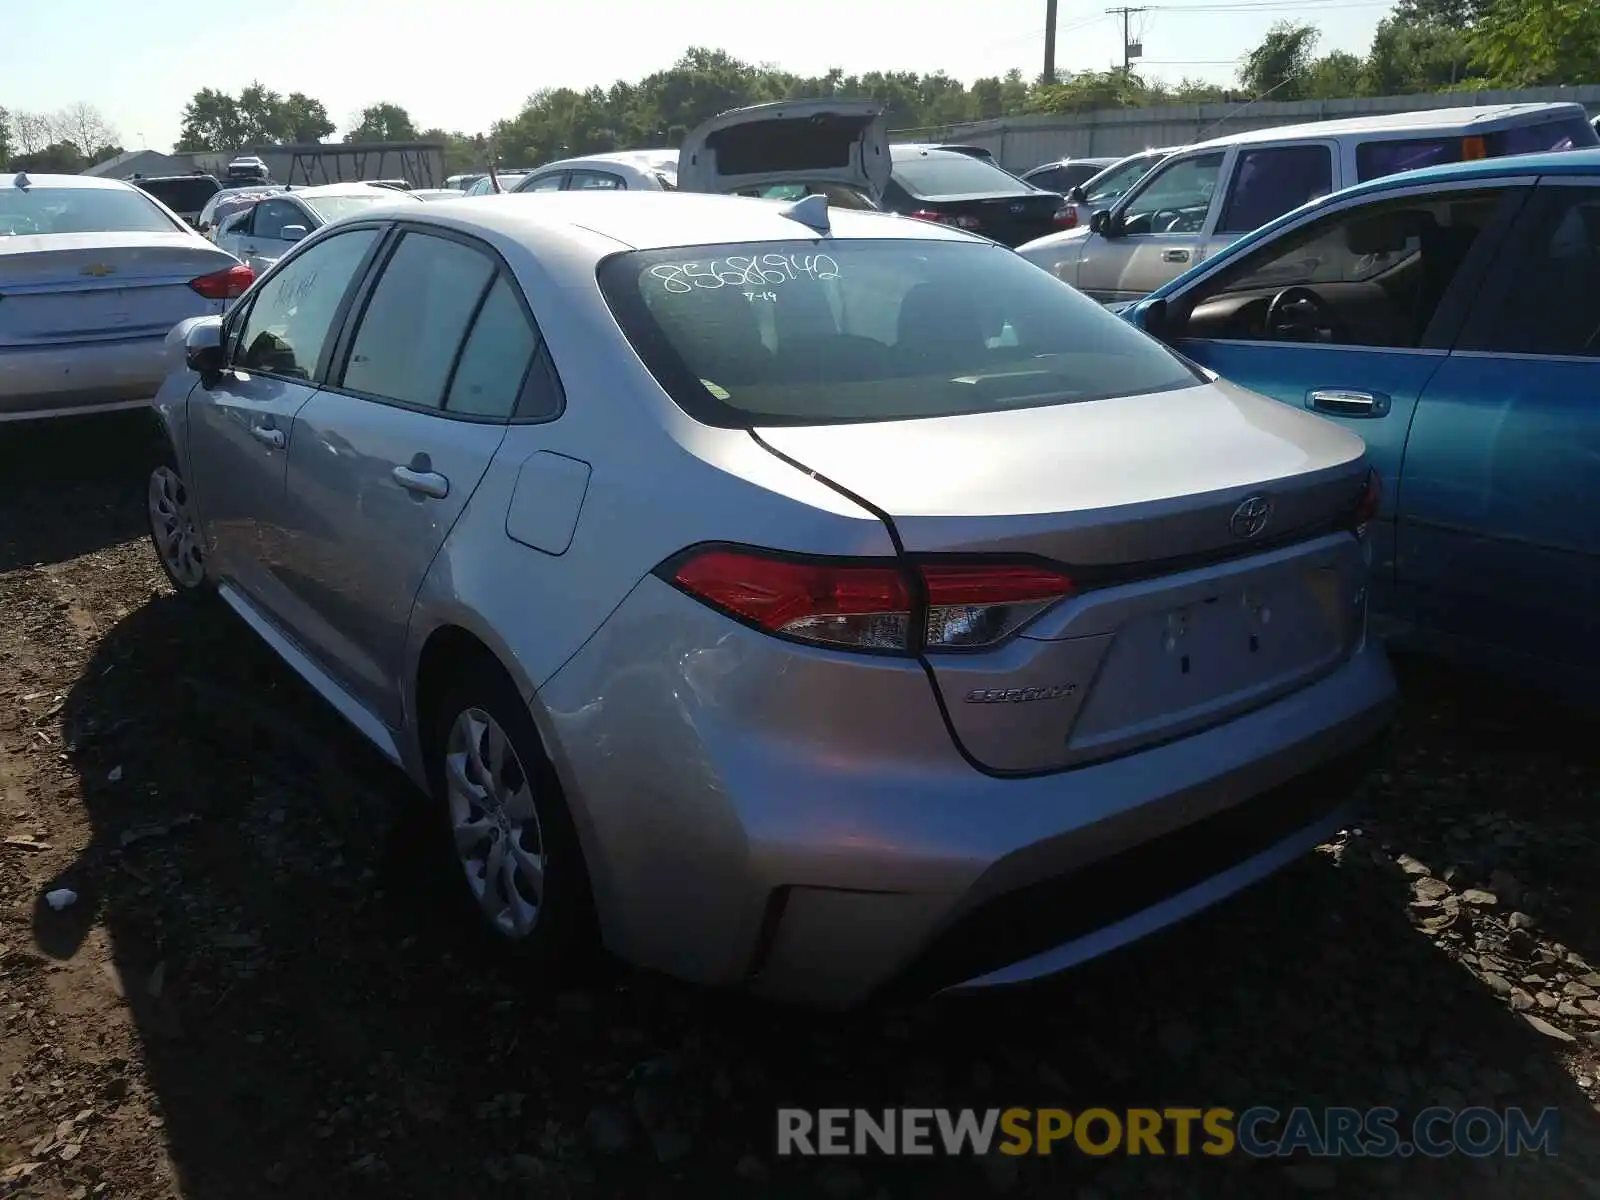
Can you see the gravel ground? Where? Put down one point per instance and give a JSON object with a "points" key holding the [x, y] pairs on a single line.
{"points": [[252, 997]]}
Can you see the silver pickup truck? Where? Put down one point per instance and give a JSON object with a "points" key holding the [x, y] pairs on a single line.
{"points": [[1205, 196]]}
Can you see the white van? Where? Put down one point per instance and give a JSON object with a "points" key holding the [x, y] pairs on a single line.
{"points": [[1207, 195]]}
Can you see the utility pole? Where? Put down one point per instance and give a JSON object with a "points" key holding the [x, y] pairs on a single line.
{"points": [[1130, 50], [1049, 41]]}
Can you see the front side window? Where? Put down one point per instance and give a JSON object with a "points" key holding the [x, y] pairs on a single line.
{"points": [[290, 316], [1270, 182], [1175, 198], [1552, 305], [544, 183], [272, 215], [48, 210], [415, 320], [1368, 276], [812, 333], [1106, 188], [940, 173]]}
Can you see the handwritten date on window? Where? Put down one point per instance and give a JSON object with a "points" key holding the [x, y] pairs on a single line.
{"points": [[754, 275]]}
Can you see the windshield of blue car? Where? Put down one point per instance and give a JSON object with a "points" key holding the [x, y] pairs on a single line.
{"points": [[812, 333], [46, 210], [331, 208], [937, 173]]}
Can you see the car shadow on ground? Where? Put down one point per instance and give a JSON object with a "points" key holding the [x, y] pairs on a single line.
{"points": [[310, 1027], [47, 517]]}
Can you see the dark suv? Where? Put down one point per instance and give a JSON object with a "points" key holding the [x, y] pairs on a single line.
{"points": [[185, 195]]}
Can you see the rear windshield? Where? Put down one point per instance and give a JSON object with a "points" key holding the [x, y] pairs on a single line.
{"points": [[815, 333], [79, 210], [331, 208], [180, 195], [1376, 159], [946, 173]]}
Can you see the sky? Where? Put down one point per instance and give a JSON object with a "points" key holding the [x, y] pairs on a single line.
{"points": [[463, 64]]}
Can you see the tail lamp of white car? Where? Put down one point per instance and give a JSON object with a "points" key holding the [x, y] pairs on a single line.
{"points": [[227, 284]]}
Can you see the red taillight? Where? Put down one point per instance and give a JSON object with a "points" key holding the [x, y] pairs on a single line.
{"points": [[1067, 217], [227, 284], [871, 605], [1371, 498], [939, 218]]}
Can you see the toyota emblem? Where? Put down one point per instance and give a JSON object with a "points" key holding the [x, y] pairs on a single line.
{"points": [[1018, 209], [1251, 517]]}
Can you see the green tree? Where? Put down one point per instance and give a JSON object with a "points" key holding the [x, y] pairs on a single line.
{"points": [[1335, 76], [383, 122], [58, 158], [462, 153], [221, 123], [1420, 57], [1535, 43], [1279, 66], [5, 139]]}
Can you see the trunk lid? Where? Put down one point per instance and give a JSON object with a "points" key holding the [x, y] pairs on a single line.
{"points": [[799, 141], [1184, 612], [58, 288], [1008, 219]]}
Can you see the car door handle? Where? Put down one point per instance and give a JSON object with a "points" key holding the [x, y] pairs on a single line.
{"points": [[1174, 256], [422, 483], [268, 436], [1348, 402]]}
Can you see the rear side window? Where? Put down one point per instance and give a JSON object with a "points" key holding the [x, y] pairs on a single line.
{"points": [[495, 360], [46, 210], [1568, 133], [1268, 183], [1377, 159], [415, 320], [791, 333], [938, 173]]}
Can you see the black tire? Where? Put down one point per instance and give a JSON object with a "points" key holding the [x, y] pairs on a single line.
{"points": [[183, 582], [565, 935]]}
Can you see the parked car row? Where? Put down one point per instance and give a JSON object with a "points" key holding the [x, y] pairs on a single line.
{"points": [[1205, 196]]}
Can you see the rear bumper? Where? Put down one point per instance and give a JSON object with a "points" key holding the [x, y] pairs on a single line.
{"points": [[80, 377], [800, 822]]}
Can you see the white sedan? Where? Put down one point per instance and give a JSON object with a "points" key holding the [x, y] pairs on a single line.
{"points": [[263, 233]]}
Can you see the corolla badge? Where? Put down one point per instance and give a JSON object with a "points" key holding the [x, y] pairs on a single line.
{"points": [[1251, 517], [1020, 695]]}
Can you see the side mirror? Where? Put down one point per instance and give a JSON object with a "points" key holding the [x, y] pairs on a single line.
{"points": [[1075, 194], [202, 346], [292, 233], [1150, 316], [1100, 223]]}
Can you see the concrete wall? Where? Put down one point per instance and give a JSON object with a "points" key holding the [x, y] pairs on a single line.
{"points": [[1021, 143]]}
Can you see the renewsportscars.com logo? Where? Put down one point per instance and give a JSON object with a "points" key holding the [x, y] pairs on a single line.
{"points": [[1259, 1132]]}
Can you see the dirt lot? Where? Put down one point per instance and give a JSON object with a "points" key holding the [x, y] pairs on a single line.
{"points": [[251, 997]]}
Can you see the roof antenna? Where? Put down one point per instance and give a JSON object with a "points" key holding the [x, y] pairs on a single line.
{"points": [[22, 180], [811, 211]]}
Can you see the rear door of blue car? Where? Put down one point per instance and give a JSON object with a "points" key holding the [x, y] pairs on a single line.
{"points": [[1500, 541], [1350, 312]]}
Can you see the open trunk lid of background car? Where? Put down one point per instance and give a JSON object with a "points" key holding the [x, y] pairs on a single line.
{"points": [[801, 141], [1207, 571]]}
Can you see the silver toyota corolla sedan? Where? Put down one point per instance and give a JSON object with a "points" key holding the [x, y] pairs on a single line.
{"points": [[826, 603]]}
